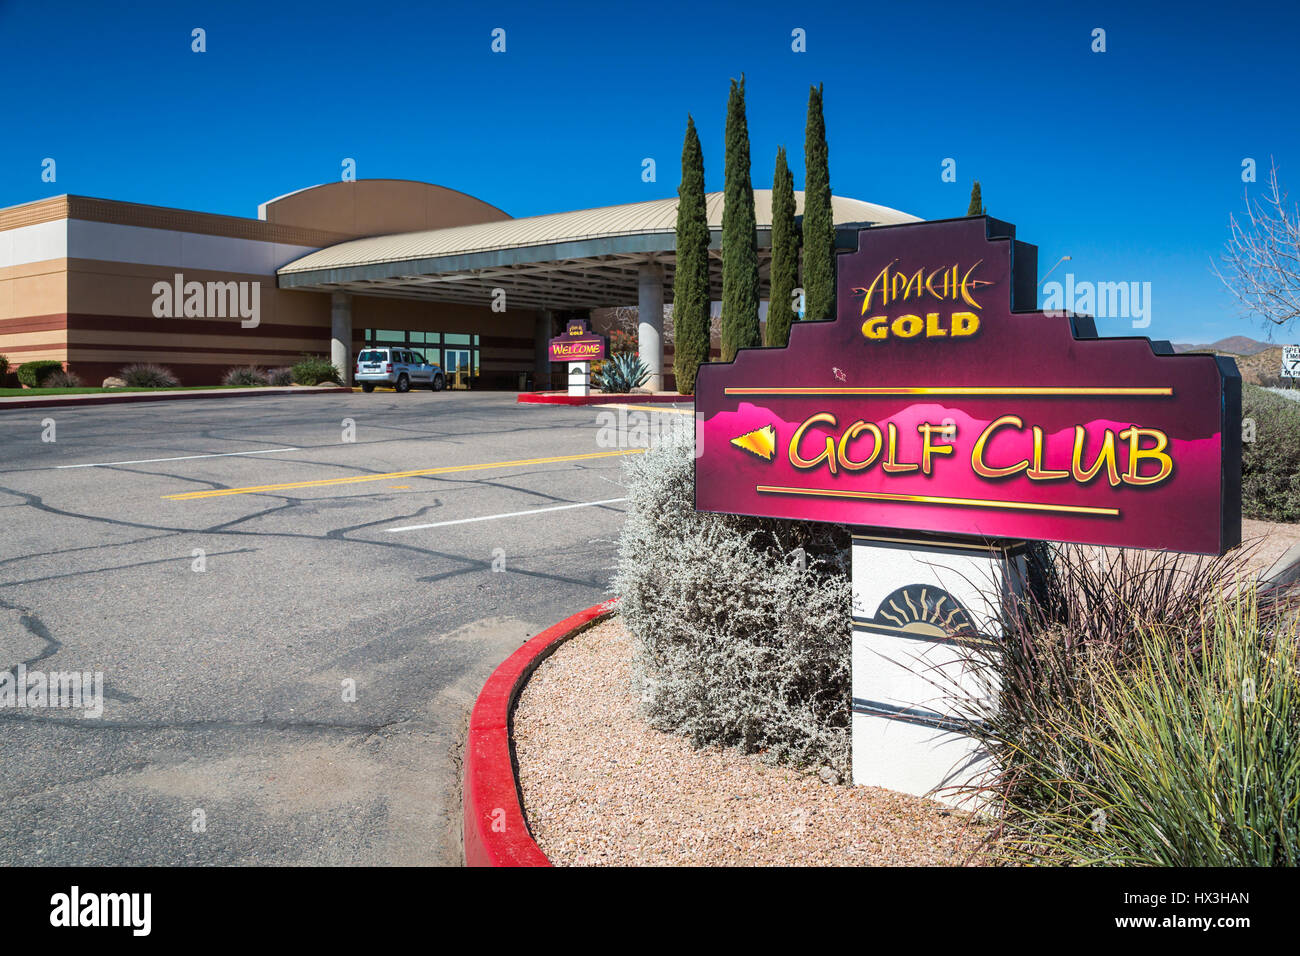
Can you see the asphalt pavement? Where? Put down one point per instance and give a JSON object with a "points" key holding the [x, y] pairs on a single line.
{"points": [[293, 603]]}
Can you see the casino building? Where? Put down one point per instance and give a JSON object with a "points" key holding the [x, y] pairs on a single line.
{"points": [[99, 284]]}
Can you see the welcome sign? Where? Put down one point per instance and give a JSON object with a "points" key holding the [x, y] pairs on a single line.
{"points": [[932, 404], [577, 344]]}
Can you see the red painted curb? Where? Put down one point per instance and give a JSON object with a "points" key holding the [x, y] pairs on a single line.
{"points": [[60, 401], [560, 398], [496, 833]]}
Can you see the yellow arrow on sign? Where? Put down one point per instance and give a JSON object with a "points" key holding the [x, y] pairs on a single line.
{"points": [[761, 442]]}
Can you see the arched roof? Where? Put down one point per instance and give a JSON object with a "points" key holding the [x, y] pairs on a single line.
{"points": [[375, 207]]}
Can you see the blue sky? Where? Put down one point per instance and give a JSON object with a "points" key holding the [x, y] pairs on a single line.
{"points": [[1128, 160]]}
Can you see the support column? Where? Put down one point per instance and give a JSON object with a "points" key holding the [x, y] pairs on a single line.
{"points": [[917, 606], [341, 334], [650, 322], [542, 335]]}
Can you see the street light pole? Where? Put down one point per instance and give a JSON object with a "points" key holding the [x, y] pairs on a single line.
{"points": [[1053, 269]]}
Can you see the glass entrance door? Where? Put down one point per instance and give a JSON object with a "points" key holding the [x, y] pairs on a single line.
{"points": [[457, 366]]}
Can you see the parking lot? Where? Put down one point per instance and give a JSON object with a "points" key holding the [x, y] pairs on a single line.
{"points": [[239, 570]]}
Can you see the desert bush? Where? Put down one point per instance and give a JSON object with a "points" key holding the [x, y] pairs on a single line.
{"points": [[315, 369], [1270, 458], [279, 377], [1189, 757], [1095, 621], [1275, 381], [622, 342], [62, 379], [245, 376], [742, 625], [620, 374], [34, 374], [148, 375]]}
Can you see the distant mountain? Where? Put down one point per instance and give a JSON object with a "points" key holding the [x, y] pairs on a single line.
{"points": [[1262, 368], [1234, 345]]}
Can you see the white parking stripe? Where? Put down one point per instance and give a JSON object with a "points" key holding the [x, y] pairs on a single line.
{"points": [[509, 514], [149, 461]]}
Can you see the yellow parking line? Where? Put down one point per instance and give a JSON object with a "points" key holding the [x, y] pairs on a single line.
{"points": [[449, 469]]}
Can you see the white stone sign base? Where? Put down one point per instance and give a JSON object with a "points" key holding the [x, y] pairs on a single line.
{"points": [[579, 378], [914, 687]]}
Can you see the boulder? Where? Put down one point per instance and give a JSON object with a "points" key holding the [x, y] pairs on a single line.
{"points": [[113, 382]]}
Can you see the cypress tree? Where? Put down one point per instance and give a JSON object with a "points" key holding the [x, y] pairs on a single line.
{"points": [[976, 201], [739, 236], [818, 221], [785, 255], [691, 277]]}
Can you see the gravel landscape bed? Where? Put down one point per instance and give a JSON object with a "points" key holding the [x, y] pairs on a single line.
{"points": [[1267, 541], [601, 787]]}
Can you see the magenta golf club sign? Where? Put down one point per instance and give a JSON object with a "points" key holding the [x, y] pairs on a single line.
{"points": [[938, 401]]}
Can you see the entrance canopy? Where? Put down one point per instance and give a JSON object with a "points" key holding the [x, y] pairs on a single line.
{"points": [[589, 258]]}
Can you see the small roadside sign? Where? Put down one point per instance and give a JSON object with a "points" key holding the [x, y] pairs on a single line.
{"points": [[1291, 361]]}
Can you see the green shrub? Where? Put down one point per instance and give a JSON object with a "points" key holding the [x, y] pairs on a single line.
{"points": [[1191, 757], [34, 374], [279, 376], [245, 376], [1270, 456], [62, 379], [620, 374], [1094, 619], [4, 366], [315, 369], [742, 624], [148, 375]]}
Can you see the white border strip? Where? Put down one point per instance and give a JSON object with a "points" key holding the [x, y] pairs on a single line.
{"points": [[510, 514], [150, 461]]}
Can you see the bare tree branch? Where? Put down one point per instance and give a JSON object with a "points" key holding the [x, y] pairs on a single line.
{"points": [[1261, 260]]}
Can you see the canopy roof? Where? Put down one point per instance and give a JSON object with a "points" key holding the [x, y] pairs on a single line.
{"points": [[588, 258]]}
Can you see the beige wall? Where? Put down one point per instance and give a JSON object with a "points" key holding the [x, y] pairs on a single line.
{"points": [[96, 314], [33, 307]]}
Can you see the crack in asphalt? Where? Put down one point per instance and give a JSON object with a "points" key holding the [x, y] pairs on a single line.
{"points": [[34, 626], [122, 567]]}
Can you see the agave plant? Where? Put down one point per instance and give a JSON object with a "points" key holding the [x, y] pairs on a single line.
{"points": [[622, 373]]}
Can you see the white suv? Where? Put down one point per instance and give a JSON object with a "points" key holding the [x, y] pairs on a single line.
{"points": [[396, 368]]}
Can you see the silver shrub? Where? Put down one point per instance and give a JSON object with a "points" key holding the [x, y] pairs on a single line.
{"points": [[742, 624]]}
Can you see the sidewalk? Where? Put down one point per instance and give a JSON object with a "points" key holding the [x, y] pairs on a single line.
{"points": [[159, 395]]}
